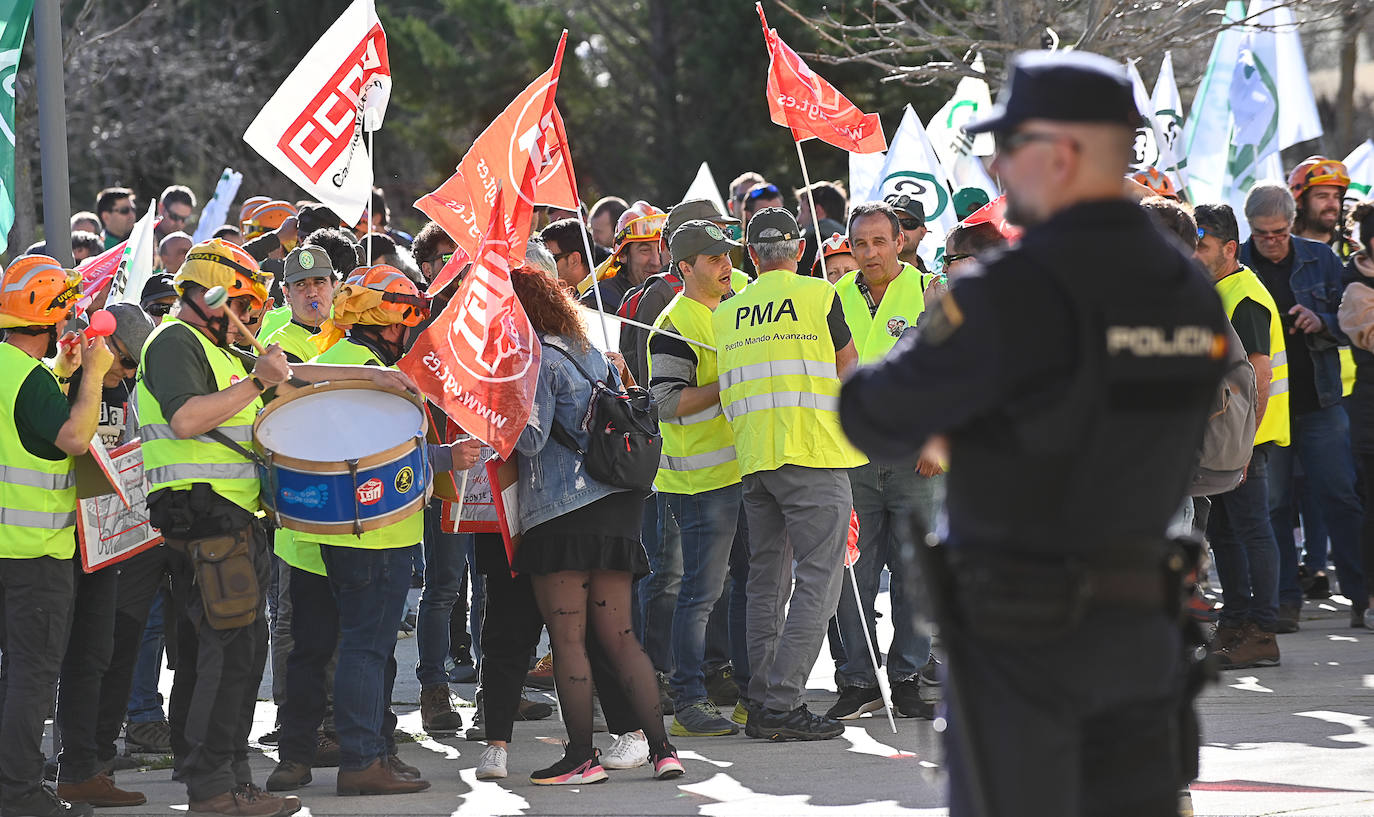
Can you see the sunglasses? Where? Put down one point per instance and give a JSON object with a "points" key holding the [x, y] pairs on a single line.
{"points": [[559, 256], [767, 191], [440, 258], [125, 359], [950, 259], [123, 211], [176, 218], [158, 310], [910, 223]]}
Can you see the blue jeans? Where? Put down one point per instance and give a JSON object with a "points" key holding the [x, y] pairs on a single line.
{"points": [[707, 524], [370, 590], [145, 704], [658, 591], [1321, 441], [446, 559], [478, 584], [884, 498], [1243, 545]]}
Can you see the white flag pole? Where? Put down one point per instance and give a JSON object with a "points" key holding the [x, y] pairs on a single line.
{"points": [[878, 671], [811, 199], [591, 265], [372, 165]]}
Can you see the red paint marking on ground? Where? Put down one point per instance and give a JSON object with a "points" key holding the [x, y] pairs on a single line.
{"points": [[1261, 786]]}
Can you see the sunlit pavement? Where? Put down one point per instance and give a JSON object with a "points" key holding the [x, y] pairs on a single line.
{"points": [[1294, 739]]}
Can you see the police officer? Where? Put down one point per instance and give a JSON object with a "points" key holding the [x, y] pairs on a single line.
{"points": [[1072, 377], [39, 435], [782, 344], [197, 399]]}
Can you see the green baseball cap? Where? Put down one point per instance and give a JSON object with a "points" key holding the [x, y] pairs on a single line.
{"points": [[773, 224], [699, 237], [696, 210], [307, 261]]}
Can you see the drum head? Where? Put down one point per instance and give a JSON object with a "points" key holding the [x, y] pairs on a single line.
{"points": [[340, 424]]}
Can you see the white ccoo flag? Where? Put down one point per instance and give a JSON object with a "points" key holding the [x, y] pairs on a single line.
{"points": [[1166, 109], [912, 168], [957, 150], [1360, 165], [1206, 133], [312, 127]]}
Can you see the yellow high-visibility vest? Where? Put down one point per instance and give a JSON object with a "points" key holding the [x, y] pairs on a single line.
{"points": [[902, 303], [37, 495], [1233, 289]]}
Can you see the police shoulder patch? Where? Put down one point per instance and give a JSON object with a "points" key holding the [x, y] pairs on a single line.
{"points": [[943, 321]]}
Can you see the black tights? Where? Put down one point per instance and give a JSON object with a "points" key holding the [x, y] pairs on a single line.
{"points": [[564, 600]]}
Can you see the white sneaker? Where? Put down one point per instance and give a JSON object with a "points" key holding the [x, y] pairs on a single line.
{"points": [[627, 752], [492, 766]]}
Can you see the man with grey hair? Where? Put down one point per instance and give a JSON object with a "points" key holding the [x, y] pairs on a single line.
{"points": [[782, 345], [1304, 276], [538, 257]]}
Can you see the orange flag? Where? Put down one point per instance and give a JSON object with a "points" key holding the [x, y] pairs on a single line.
{"points": [[810, 106], [524, 150], [851, 548]]}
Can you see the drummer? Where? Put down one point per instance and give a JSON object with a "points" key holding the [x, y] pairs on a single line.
{"points": [[351, 589], [204, 499]]}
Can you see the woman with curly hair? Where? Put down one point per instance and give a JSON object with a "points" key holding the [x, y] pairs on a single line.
{"points": [[581, 545]]}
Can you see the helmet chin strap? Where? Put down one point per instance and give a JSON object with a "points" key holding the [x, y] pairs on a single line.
{"points": [[218, 326], [51, 351]]}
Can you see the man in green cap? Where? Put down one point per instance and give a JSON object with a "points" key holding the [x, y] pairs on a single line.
{"points": [[308, 283]]}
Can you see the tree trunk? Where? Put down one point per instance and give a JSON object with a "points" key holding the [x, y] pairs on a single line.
{"points": [[1353, 20], [663, 52]]}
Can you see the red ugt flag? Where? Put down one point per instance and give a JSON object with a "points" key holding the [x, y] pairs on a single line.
{"points": [[810, 106], [480, 360], [523, 150]]}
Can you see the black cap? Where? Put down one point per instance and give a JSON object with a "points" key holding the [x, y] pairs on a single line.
{"points": [[314, 217], [158, 287], [699, 237], [1062, 86], [307, 261], [906, 206], [773, 224]]}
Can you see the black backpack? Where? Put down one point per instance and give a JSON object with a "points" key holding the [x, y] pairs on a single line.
{"points": [[625, 445]]}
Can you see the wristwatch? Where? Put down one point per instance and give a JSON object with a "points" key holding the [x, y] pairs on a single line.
{"points": [[262, 387]]}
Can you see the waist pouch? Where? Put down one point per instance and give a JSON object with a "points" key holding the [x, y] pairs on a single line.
{"points": [[227, 577]]}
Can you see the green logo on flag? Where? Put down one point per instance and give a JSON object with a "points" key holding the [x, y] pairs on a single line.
{"points": [[15, 16], [933, 196]]}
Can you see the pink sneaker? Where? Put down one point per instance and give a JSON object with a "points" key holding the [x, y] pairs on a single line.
{"points": [[573, 772], [666, 765]]}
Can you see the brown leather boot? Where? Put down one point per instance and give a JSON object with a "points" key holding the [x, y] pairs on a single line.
{"points": [[242, 802], [101, 792], [436, 711], [1256, 648], [1226, 636], [379, 778]]}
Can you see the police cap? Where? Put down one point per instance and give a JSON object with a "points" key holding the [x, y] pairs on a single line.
{"points": [[1062, 86]]}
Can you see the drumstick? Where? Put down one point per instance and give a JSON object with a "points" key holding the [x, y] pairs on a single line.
{"points": [[218, 298]]}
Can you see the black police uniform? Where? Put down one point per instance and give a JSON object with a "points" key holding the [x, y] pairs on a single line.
{"points": [[1072, 377]]}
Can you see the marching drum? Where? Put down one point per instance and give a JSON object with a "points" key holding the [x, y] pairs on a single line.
{"points": [[342, 457]]}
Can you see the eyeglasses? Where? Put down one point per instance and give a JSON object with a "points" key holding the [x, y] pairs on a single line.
{"points": [[1270, 235], [767, 191], [123, 211], [910, 223], [559, 256], [179, 219], [1009, 143], [950, 259], [158, 310]]}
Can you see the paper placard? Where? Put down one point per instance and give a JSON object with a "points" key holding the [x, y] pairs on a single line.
{"points": [[479, 508], [113, 527], [505, 476]]}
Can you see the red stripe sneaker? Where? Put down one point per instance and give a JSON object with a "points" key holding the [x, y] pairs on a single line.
{"points": [[571, 771]]}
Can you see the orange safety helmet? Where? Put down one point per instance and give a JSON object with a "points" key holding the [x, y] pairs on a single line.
{"points": [[836, 244], [267, 217], [249, 205], [401, 298], [1158, 183], [37, 291], [1315, 171], [642, 222], [219, 263]]}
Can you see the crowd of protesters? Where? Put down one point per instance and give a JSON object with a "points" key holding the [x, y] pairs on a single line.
{"points": [[707, 599]]}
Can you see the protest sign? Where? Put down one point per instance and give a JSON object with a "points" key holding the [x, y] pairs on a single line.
{"points": [[115, 526]]}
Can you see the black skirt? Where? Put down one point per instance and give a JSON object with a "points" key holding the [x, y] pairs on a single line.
{"points": [[604, 535]]}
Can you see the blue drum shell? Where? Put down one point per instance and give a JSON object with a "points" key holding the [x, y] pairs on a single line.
{"points": [[324, 498]]}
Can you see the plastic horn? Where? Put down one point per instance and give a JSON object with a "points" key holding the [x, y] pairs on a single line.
{"points": [[102, 325], [218, 298]]}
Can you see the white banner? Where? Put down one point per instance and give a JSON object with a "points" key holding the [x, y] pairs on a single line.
{"points": [[1360, 165], [136, 264], [704, 187], [216, 210], [912, 168], [312, 127], [110, 530], [1166, 108], [957, 150]]}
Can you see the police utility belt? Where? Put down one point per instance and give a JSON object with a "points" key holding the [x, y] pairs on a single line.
{"points": [[1028, 598]]}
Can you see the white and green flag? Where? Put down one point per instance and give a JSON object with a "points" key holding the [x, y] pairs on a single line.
{"points": [[1167, 110], [958, 151], [1360, 165], [912, 168], [1206, 133], [14, 15]]}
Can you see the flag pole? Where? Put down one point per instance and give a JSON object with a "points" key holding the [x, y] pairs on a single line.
{"points": [[591, 266], [811, 199], [372, 165], [52, 130], [878, 671]]}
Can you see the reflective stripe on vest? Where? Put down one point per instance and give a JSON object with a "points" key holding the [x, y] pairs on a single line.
{"points": [[37, 495], [698, 449], [177, 464], [876, 333], [1233, 289], [779, 387]]}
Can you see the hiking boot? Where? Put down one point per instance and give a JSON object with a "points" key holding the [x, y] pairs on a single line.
{"points": [[570, 771], [701, 719], [288, 776], [378, 778], [326, 752], [436, 711], [100, 791], [44, 802], [243, 801], [492, 766], [1288, 618], [629, 751], [271, 738], [290, 804], [741, 713], [1255, 648], [153, 737], [721, 687], [753, 713], [667, 766], [528, 710], [665, 693], [798, 724], [1227, 636], [855, 701], [907, 701], [541, 676]]}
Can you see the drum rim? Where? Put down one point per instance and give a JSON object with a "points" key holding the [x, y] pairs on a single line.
{"points": [[397, 452], [371, 460], [346, 528]]}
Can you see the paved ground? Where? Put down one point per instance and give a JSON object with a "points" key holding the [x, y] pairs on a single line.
{"points": [[1295, 739]]}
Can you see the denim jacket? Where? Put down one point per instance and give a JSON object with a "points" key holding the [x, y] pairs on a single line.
{"points": [[1316, 283], [553, 478]]}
